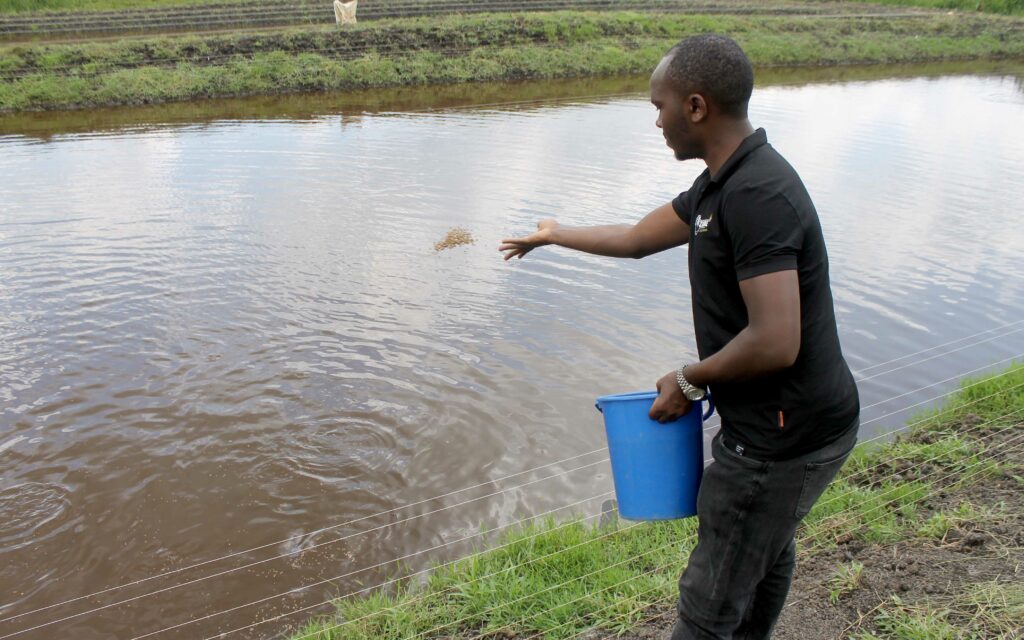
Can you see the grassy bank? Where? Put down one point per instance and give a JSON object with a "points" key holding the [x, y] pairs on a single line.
{"points": [[463, 48], [557, 580], [1011, 7], [22, 6]]}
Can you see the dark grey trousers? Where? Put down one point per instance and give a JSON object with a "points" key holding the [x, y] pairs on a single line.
{"points": [[740, 571]]}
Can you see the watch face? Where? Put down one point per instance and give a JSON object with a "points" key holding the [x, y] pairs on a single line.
{"points": [[695, 394]]}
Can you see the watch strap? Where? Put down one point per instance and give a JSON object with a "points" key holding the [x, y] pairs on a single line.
{"points": [[691, 391]]}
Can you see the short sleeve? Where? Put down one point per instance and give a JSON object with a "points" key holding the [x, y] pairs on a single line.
{"points": [[681, 204], [764, 229]]}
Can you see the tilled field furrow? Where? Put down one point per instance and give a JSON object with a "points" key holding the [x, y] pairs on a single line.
{"points": [[89, 60], [287, 13], [368, 9], [338, 54], [380, 8], [325, 16], [212, 22], [343, 51], [370, 12]]}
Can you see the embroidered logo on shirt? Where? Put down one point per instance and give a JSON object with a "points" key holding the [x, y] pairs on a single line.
{"points": [[702, 224]]}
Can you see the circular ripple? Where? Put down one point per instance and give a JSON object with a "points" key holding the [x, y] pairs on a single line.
{"points": [[27, 508]]}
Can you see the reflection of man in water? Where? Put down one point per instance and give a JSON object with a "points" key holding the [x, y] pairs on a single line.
{"points": [[766, 336]]}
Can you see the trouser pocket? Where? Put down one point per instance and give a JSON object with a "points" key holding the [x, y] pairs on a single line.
{"points": [[817, 476]]}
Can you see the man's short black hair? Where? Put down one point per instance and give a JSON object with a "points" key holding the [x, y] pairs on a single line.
{"points": [[713, 65]]}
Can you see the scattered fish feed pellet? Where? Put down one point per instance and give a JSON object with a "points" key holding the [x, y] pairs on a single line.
{"points": [[457, 236]]}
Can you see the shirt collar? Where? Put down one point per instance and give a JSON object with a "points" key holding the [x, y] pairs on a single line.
{"points": [[751, 142]]}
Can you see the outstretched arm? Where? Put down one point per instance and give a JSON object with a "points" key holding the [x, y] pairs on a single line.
{"points": [[659, 230]]}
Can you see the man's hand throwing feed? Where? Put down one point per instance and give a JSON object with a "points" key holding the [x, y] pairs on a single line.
{"points": [[519, 247]]}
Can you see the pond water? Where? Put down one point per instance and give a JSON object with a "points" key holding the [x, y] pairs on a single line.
{"points": [[226, 339]]}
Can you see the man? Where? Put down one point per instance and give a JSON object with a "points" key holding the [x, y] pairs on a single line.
{"points": [[766, 335]]}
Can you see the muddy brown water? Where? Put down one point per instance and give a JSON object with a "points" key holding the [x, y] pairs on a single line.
{"points": [[226, 338]]}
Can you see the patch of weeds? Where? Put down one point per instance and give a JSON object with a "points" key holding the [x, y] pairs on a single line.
{"points": [[980, 400], [900, 622], [994, 607], [964, 517], [986, 610], [873, 514], [846, 580]]}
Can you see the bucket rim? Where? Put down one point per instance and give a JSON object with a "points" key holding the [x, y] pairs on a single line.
{"points": [[630, 395]]}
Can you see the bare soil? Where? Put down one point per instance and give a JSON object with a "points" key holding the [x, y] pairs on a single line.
{"points": [[917, 570]]}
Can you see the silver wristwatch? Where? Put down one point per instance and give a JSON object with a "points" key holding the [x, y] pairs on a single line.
{"points": [[692, 393]]}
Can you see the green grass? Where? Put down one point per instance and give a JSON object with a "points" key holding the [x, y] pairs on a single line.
{"points": [[1012, 7], [492, 47], [545, 577], [939, 525], [986, 610], [21, 6], [559, 579], [846, 580]]}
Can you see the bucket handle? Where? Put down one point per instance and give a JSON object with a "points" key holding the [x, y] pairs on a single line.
{"points": [[711, 408]]}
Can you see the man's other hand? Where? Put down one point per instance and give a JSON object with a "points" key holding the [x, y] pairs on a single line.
{"points": [[670, 404], [519, 247]]}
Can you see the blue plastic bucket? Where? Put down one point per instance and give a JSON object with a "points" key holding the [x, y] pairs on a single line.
{"points": [[656, 467]]}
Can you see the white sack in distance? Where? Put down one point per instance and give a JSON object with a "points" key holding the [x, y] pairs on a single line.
{"points": [[345, 12]]}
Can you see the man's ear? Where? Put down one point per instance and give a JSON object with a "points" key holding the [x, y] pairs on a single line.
{"points": [[696, 107]]}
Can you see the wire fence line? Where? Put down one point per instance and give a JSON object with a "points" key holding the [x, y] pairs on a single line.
{"points": [[491, 482], [917, 362], [978, 468], [387, 562], [265, 560], [608, 606], [811, 549], [531, 470], [926, 419], [919, 389], [939, 346], [545, 590], [930, 400], [298, 589], [644, 574], [1016, 440], [301, 536], [442, 496], [1018, 443], [420, 598], [866, 470], [519, 566], [950, 379]]}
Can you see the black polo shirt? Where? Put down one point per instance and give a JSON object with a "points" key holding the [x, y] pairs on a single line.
{"points": [[755, 217]]}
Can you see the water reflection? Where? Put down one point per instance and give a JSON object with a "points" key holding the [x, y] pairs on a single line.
{"points": [[234, 332], [401, 100]]}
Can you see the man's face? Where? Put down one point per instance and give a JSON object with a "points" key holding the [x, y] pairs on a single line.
{"points": [[672, 118]]}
